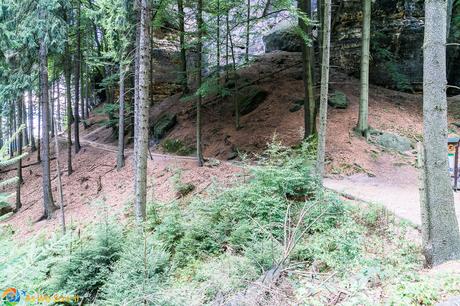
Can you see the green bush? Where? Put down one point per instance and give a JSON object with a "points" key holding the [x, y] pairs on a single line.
{"points": [[176, 146], [87, 268], [138, 274], [238, 217]]}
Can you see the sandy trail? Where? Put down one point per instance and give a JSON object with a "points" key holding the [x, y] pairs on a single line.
{"points": [[396, 189]]}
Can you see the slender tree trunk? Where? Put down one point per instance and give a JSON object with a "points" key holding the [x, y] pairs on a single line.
{"points": [[51, 110], [59, 182], [77, 84], [440, 230], [363, 123], [248, 28], [31, 123], [25, 138], [227, 34], [321, 152], [19, 103], [68, 92], [309, 100], [44, 101], [136, 93], [199, 68], [39, 159], [183, 51], [58, 109], [87, 93], [218, 41], [1, 126], [121, 121], [143, 113], [235, 79]]}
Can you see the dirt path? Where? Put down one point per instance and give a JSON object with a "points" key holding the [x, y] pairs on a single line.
{"points": [[396, 189]]}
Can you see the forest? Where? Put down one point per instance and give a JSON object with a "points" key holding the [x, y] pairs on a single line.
{"points": [[229, 152]]}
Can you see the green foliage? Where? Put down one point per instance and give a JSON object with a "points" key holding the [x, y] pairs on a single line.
{"points": [[87, 268], [176, 146], [138, 274], [238, 217]]}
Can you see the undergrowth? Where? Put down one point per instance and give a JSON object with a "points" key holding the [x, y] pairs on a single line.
{"points": [[205, 250]]}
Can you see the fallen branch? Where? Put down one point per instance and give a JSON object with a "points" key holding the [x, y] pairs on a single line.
{"points": [[25, 166]]}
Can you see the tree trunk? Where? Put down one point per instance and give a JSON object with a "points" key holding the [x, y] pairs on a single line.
{"points": [[77, 84], [248, 28], [39, 159], [183, 52], [363, 124], [143, 113], [58, 108], [25, 134], [321, 152], [19, 103], [44, 101], [31, 123], [68, 92], [121, 121], [1, 126], [309, 100], [59, 182], [440, 226], [199, 18], [218, 42], [51, 109]]}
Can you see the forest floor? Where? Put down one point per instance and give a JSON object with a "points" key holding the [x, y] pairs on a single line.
{"points": [[355, 166]]}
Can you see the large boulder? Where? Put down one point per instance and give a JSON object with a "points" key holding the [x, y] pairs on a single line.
{"points": [[283, 38], [391, 141], [249, 98], [338, 99]]}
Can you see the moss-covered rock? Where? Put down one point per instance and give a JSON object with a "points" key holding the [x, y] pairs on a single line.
{"points": [[163, 125], [338, 99], [249, 98]]}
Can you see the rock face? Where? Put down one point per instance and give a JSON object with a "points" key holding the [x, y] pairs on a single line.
{"points": [[396, 42]]}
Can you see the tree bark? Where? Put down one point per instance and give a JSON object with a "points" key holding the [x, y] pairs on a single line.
{"points": [[199, 18], [363, 122], [68, 92], [183, 52], [31, 122], [58, 106], [121, 121], [51, 109], [44, 101], [441, 241], [77, 83], [309, 100], [19, 103], [321, 152], [59, 182], [143, 113], [25, 134], [248, 28]]}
